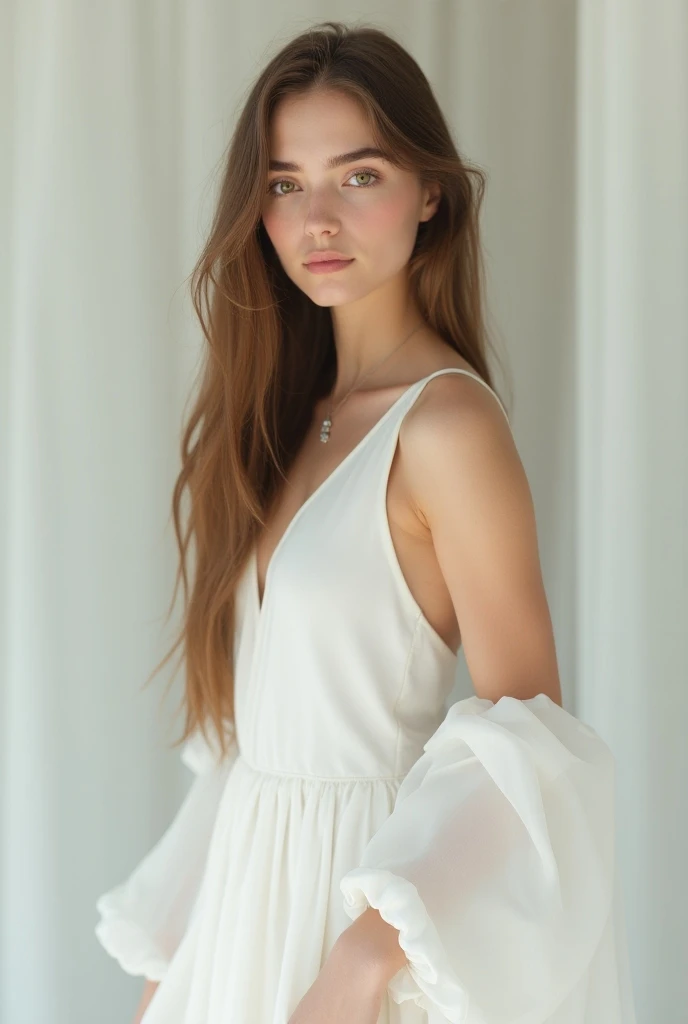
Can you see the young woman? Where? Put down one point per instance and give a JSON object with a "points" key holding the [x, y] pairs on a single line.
{"points": [[351, 851]]}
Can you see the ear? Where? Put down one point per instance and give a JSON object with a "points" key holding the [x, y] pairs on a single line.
{"points": [[432, 193]]}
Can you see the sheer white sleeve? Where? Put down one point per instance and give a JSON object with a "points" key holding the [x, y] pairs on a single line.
{"points": [[143, 919], [497, 866]]}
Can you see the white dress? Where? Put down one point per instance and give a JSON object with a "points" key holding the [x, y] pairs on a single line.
{"points": [[484, 833]]}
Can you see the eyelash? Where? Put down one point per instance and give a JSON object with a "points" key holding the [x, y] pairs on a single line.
{"points": [[361, 170]]}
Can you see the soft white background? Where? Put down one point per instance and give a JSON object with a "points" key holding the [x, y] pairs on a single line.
{"points": [[113, 119]]}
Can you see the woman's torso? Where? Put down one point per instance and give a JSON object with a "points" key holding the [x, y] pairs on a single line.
{"points": [[410, 537], [338, 671]]}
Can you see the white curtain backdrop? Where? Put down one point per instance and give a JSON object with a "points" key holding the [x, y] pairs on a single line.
{"points": [[113, 118]]}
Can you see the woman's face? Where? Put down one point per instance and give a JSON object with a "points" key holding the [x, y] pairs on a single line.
{"points": [[364, 208]]}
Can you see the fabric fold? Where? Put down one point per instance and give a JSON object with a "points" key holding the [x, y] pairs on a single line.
{"points": [[497, 865], [143, 919]]}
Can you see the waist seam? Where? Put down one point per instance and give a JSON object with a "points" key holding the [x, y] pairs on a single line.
{"points": [[319, 778]]}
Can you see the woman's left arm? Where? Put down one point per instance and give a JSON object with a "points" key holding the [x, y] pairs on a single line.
{"points": [[470, 492], [485, 895]]}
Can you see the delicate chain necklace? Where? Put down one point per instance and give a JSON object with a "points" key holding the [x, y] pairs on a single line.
{"points": [[327, 422]]}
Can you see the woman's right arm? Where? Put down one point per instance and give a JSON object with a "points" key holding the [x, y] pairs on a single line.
{"points": [[148, 993]]}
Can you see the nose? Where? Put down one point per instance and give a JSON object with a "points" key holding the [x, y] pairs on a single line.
{"points": [[321, 217]]}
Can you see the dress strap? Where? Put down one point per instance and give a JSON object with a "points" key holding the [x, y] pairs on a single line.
{"points": [[468, 373]]}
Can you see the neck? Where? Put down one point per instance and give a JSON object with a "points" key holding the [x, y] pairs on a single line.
{"points": [[369, 329]]}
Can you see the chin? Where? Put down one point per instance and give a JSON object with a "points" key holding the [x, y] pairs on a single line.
{"points": [[327, 296], [333, 294]]}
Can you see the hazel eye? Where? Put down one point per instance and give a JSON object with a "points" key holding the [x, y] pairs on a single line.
{"points": [[364, 174], [283, 187], [280, 181]]}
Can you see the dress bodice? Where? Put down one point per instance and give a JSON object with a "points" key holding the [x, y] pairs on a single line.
{"points": [[339, 640]]}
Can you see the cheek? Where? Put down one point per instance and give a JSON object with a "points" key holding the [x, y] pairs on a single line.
{"points": [[388, 223], [387, 231], [280, 228]]}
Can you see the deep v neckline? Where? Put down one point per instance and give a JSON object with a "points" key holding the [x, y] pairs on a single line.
{"points": [[260, 605]]}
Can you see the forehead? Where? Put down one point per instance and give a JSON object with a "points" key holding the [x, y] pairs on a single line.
{"points": [[316, 124]]}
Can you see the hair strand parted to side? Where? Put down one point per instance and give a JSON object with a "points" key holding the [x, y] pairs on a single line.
{"points": [[269, 350]]}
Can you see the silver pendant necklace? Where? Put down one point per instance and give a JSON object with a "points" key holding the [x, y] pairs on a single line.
{"points": [[327, 422]]}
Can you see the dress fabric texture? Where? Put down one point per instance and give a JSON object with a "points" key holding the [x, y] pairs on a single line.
{"points": [[484, 832]]}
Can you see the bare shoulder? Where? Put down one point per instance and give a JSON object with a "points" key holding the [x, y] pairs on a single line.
{"points": [[457, 430], [454, 403]]}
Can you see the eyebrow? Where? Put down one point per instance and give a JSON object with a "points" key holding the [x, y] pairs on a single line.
{"points": [[333, 161]]}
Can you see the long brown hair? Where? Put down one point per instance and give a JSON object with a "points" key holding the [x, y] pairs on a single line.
{"points": [[269, 354]]}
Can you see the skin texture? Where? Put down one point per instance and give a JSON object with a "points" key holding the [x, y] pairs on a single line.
{"points": [[458, 491]]}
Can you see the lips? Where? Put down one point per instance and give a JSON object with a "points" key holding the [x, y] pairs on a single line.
{"points": [[328, 266], [326, 257]]}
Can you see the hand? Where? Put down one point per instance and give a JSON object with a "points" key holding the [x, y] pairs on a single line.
{"points": [[352, 982]]}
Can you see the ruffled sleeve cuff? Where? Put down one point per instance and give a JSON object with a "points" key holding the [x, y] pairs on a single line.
{"points": [[143, 920], [497, 867]]}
